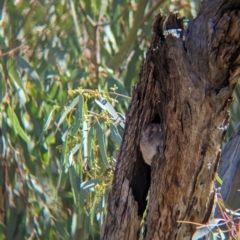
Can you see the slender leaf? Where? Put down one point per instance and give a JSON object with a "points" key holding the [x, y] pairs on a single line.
{"points": [[14, 75], [115, 134], [2, 88], [89, 184], [16, 125], [73, 179], [102, 145], [23, 64], [48, 120], [62, 230], [90, 142], [67, 110]]}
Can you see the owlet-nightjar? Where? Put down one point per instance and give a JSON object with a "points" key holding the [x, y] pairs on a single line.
{"points": [[150, 141]]}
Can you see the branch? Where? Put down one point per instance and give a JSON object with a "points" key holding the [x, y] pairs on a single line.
{"points": [[119, 57]]}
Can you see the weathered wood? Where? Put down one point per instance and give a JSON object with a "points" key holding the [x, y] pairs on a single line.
{"points": [[185, 84]]}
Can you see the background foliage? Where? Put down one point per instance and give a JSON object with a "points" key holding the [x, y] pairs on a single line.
{"points": [[66, 73]]}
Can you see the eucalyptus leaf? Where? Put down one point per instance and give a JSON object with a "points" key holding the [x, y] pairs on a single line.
{"points": [[2, 228], [105, 105], [85, 141], [2, 87], [73, 181], [48, 120], [90, 142], [14, 75], [62, 230], [12, 218], [115, 134], [67, 110], [101, 143], [89, 184], [23, 64], [16, 125], [75, 148]]}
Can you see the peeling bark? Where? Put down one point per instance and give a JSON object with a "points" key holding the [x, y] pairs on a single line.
{"points": [[186, 85]]}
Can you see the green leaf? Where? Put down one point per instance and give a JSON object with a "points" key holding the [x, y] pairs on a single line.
{"points": [[85, 140], [2, 228], [23, 64], [62, 230], [68, 109], [49, 119], [35, 186], [79, 111], [37, 226], [65, 194], [11, 223], [74, 224], [78, 115], [219, 180], [2, 88], [75, 148], [16, 125], [101, 143], [73, 179], [90, 141], [76, 126], [105, 105], [87, 185], [64, 152], [115, 134], [14, 75], [5, 134]]}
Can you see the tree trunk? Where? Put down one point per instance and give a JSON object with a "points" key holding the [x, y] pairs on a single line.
{"points": [[186, 86]]}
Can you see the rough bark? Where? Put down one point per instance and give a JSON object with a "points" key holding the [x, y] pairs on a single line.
{"points": [[186, 85]]}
